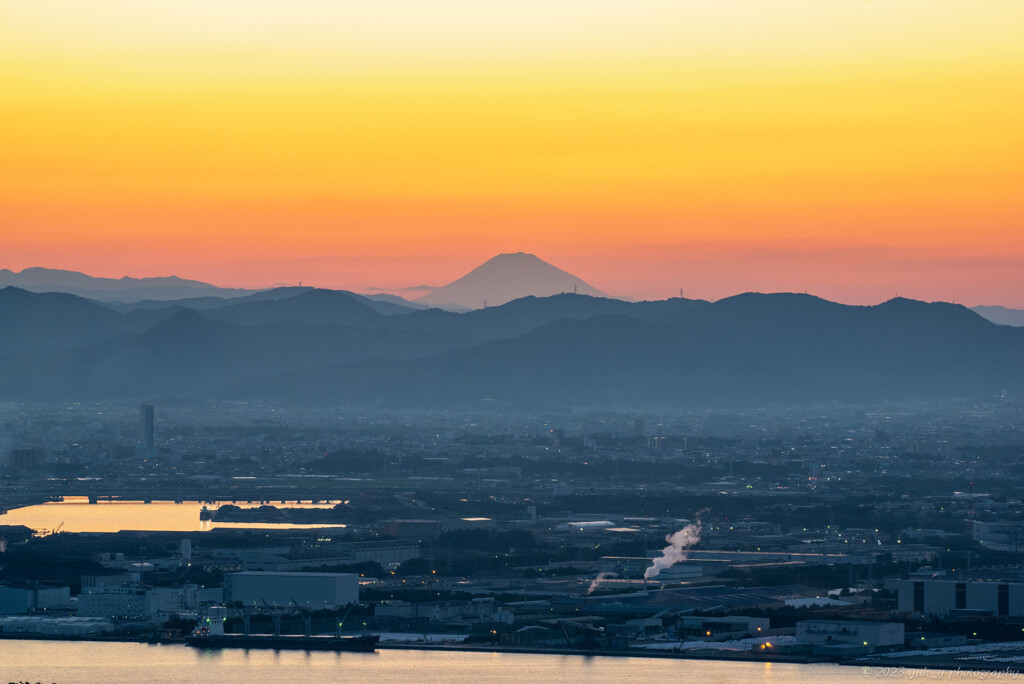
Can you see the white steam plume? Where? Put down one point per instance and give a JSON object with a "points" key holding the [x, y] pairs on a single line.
{"points": [[675, 552], [597, 581]]}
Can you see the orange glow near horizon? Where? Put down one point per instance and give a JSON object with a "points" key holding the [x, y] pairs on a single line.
{"points": [[850, 149]]}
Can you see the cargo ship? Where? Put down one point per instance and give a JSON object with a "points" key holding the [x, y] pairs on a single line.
{"points": [[363, 643]]}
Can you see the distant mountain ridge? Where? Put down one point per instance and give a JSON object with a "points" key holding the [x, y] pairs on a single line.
{"points": [[111, 289], [327, 347], [796, 349], [504, 278], [1001, 314], [189, 355], [39, 322], [127, 293], [312, 306]]}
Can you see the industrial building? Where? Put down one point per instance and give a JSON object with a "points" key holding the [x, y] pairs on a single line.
{"points": [[731, 627], [389, 553], [447, 612], [874, 635], [62, 626], [634, 567], [123, 579], [136, 603], [386, 552], [704, 597], [949, 598], [1000, 535], [22, 599], [934, 640], [313, 590], [122, 603]]}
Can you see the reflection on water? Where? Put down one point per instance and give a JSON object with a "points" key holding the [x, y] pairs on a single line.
{"points": [[62, 661], [76, 514]]}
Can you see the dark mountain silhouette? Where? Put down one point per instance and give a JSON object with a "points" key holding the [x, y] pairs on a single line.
{"points": [[314, 306], [384, 306], [330, 347], [1001, 315], [394, 299], [41, 322], [34, 322], [206, 303], [37, 322], [749, 350], [522, 315], [111, 289], [514, 318], [504, 278], [189, 355]]}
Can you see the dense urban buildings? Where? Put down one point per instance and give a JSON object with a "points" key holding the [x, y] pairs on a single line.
{"points": [[825, 531]]}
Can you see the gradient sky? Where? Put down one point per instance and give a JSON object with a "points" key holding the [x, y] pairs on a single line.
{"points": [[853, 149]]}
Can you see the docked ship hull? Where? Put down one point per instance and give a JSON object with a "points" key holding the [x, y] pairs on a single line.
{"points": [[302, 643]]}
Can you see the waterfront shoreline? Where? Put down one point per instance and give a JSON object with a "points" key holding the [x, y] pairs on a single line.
{"points": [[937, 663]]}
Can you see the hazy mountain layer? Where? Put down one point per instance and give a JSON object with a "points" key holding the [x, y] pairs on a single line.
{"points": [[745, 350], [386, 305], [112, 289], [36, 322], [1001, 314], [188, 355], [322, 346]]}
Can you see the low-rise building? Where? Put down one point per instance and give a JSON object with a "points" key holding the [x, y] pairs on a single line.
{"points": [[62, 626], [123, 579], [934, 640], [875, 635], [25, 598], [730, 627], [136, 603], [484, 609], [1000, 535]]}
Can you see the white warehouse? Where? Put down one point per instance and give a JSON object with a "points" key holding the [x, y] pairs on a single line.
{"points": [[313, 590], [850, 633], [133, 603]]}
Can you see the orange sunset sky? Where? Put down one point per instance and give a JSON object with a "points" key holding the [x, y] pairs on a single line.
{"points": [[850, 148]]}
